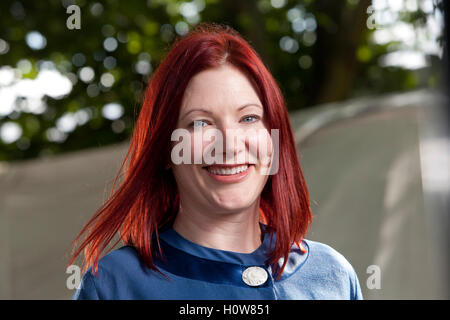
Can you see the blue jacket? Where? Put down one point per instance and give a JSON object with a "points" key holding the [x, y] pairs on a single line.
{"points": [[196, 272]]}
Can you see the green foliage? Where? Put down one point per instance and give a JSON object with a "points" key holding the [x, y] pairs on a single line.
{"points": [[318, 50]]}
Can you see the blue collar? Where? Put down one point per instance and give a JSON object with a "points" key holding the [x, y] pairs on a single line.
{"points": [[257, 257], [190, 260]]}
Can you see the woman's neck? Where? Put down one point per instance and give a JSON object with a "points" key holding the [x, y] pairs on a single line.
{"points": [[237, 232]]}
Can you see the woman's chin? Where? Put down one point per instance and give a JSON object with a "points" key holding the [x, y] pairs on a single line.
{"points": [[230, 203]]}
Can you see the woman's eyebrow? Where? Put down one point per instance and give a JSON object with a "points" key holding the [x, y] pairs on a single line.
{"points": [[249, 105], [204, 110], [209, 112]]}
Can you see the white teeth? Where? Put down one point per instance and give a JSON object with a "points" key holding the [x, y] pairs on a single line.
{"points": [[227, 171]]}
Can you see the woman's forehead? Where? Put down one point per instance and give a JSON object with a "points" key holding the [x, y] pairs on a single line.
{"points": [[219, 86]]}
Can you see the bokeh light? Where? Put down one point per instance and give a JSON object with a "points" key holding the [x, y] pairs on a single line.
{"points": [[10, 132], [112, 111], [35, 40]]}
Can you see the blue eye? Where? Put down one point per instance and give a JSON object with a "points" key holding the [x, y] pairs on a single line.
{"points": [[252, 116], [198, 123]]}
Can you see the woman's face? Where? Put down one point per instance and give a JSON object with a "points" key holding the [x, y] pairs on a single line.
{"points": [[222, 99]]}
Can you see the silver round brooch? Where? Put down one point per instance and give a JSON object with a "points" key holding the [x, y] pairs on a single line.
{"points": [[254, 276]]}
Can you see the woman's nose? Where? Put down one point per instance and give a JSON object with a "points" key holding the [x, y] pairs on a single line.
{"points": [[234, 144]]}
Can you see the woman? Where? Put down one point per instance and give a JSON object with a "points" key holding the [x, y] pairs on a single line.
{"points": [[232, 227]]}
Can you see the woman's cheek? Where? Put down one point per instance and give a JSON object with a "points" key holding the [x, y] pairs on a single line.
{"points": [[264, 148], [197, 148]]}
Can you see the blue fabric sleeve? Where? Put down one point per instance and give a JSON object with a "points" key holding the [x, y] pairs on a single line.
{"points": [[356, 288], [87, 289]]}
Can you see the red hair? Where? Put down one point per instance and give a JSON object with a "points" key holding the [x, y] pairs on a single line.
{"points": [[148, 199]]}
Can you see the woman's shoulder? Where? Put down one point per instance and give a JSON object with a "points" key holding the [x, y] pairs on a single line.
{"points": [[328, 268], [123, 257], [117, 267], [326, 258]]}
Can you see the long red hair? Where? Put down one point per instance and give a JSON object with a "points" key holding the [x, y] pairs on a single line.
{"points": [[147, 198]]}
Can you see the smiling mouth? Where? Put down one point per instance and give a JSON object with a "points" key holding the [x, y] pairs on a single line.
{"points": [[227, 170]]}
